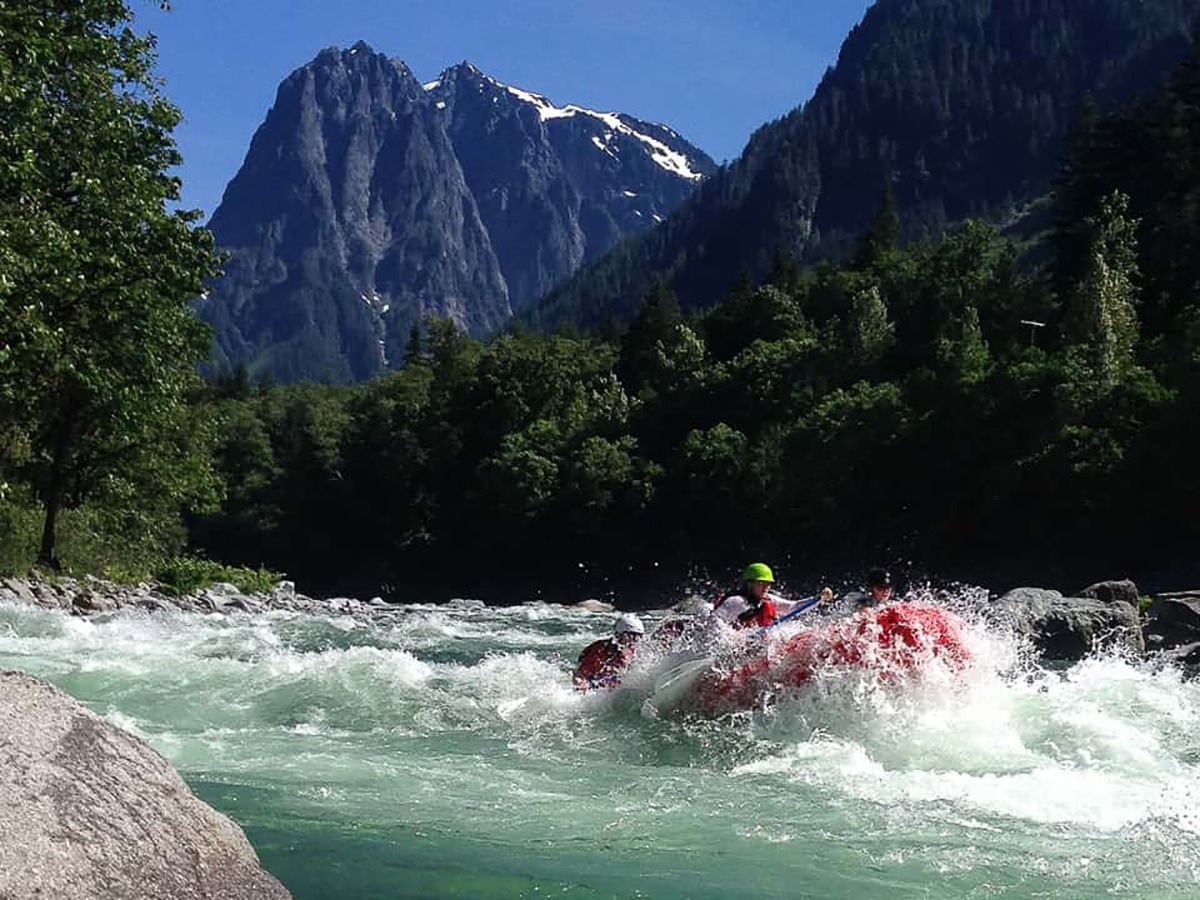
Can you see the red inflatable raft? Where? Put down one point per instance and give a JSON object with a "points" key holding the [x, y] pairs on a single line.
{"points": [[894, 640]]}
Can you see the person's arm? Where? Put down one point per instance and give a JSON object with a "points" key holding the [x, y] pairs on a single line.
{"points": [[730, 609], [786, 607], [585, 669], [828, 601]]}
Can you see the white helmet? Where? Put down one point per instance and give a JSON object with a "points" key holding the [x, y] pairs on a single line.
{"points": [[628, 623]]}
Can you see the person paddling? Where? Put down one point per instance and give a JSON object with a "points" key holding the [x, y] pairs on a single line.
{"points": [[880, 589], [755, 606], [602, 662]]}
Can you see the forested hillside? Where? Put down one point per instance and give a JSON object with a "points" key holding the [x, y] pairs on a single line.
{"points": [[933, 403], [959, 105]]}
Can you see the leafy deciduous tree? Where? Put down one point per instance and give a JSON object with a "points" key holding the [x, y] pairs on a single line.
{"points": [[99, 343]]}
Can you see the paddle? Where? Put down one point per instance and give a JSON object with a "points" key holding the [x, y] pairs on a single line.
{"points": [[806, 604]]}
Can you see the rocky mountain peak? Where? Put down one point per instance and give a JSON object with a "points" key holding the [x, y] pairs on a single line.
{"points": [[368, 200]]}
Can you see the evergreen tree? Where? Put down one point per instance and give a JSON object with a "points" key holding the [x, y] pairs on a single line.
{"points": [[659, 350], [882, 233], [1103, 309], [967, 356], [414, 350]]}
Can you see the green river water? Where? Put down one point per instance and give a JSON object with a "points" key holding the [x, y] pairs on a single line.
{"points": [[439, 751]]}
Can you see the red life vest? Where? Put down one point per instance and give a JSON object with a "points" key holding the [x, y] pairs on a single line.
{"points": [[759, 616], [601, 664]]}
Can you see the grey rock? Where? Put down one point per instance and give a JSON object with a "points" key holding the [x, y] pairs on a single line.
{"points": [[90, 600], [1180, 595], [46, 595], [596, 606], [285, 590], [223, 590], [1174, 619], [89, 812], [1069, 628], [202, 603], [340, 604], [222, 595], [242, 604], [1123, 591]]}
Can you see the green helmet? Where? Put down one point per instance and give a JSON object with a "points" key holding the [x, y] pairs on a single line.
{"points": [[758, 572]]}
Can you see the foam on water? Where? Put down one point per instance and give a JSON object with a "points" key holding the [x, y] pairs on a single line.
{"points": [[460, 722]]}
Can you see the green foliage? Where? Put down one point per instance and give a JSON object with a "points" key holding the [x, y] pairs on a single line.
{"points": [[869, 333], [181, 575], [1103, 315], [95, 273], [122, 545]]}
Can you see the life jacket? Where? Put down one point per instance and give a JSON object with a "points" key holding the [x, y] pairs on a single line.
{"points": [[759, 616], [734, 594], [601, 664]]}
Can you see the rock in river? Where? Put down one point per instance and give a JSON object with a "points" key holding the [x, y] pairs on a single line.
{"points": [[1069, 628], [1173, 620], [88, 811]]}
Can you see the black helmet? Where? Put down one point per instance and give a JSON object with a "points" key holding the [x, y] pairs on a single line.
{"points": [[879, 578]]}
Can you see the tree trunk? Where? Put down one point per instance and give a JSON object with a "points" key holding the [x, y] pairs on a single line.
{"points": [[47, 556], [51, 492]]}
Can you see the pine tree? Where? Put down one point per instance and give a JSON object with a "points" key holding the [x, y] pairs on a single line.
{"points": [[1104, 306], [882, 233], [414, 350], [967, 357]]}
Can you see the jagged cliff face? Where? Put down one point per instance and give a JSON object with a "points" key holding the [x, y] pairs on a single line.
{"points": [[368, 200]]}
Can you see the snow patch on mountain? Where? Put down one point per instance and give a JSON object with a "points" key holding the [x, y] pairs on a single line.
{"points": [[676, 163]]}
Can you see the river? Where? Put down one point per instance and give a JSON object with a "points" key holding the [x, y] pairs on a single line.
{"points": [[440, 752]]}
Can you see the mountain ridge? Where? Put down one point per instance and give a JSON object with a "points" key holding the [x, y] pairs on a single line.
{"points": [[369, 200]]}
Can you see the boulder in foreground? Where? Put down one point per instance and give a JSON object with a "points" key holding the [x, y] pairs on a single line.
{"points": [[88, 811]]}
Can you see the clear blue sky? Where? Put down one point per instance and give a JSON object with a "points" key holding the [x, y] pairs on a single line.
{"points": [[714, 70]]}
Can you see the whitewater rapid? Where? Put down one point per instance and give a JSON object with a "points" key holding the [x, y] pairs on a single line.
{"points": [[440, 751]]}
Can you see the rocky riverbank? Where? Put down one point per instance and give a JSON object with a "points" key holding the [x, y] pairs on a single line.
{"points": [[89, 595]]}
